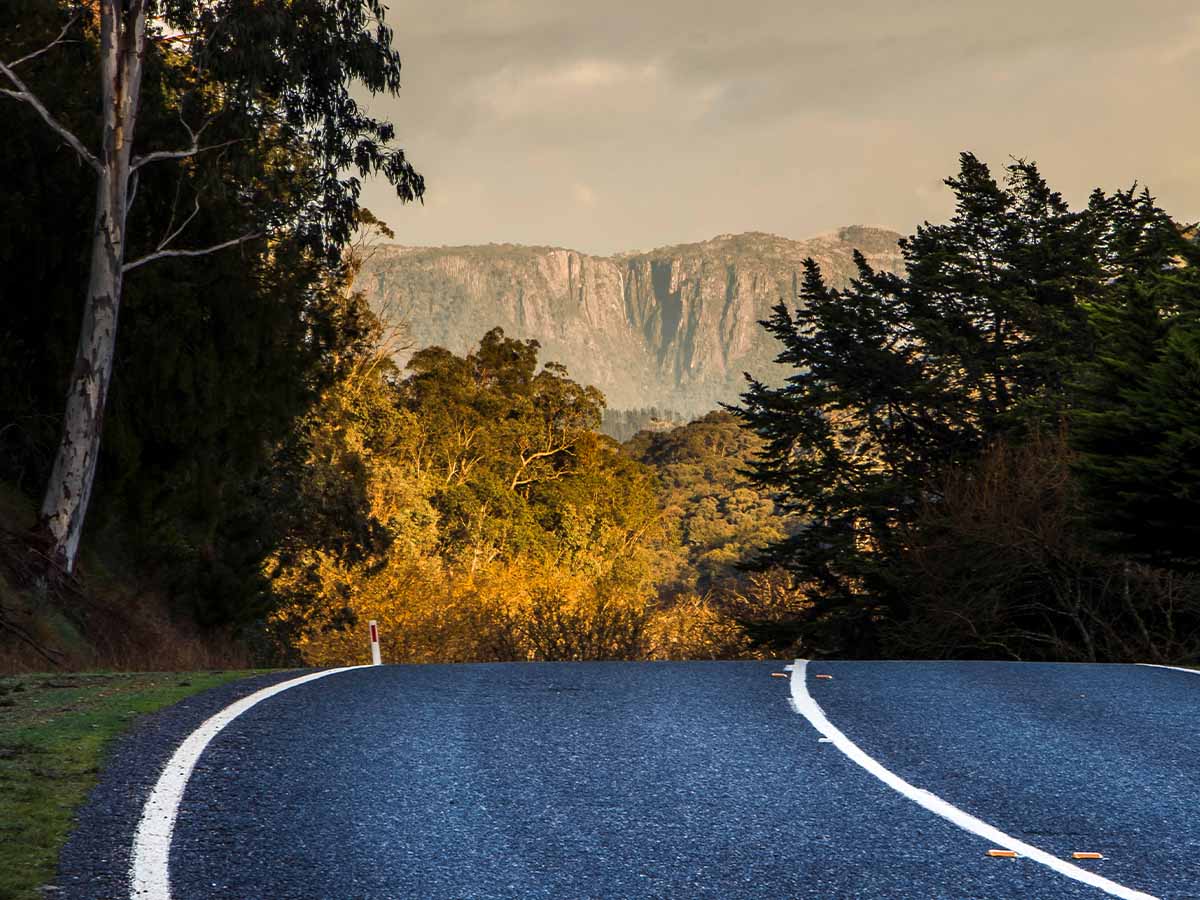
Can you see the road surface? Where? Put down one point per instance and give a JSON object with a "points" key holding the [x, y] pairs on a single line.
{"points": [[681, 780]]}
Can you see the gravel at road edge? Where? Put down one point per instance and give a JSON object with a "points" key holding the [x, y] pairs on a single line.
{"points": [[94, 862]]}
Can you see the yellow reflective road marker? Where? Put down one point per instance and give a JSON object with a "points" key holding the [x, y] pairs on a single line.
{"points": [[804, 704], [1005, 854], [779, 675], [827, 677], [1086, 855]]}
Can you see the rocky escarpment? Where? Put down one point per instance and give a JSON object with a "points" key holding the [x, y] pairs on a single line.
{"points": [[674, 327]]}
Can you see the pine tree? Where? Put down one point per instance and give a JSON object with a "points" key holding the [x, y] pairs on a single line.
{"points": [[897, 377], [1136, 422]]}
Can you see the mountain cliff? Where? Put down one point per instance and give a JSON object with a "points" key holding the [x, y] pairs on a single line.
{"points": [[674, 327]]}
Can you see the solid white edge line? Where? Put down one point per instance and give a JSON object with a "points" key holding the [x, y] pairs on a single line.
{"points": [[804, 704], [149, 870], [1172, 668]]}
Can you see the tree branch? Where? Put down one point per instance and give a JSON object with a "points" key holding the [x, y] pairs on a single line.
{"points": [[178, 231], [160, 155], [162, 254], [54, 657], [526, 461], [54, 43], [131, 193], [27, 96]]}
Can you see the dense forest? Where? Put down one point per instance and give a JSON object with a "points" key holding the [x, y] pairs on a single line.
{"points": [[992, 455], [623, 424]]}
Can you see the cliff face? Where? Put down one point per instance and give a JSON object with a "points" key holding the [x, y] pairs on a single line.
{"points": [[674, 327]]}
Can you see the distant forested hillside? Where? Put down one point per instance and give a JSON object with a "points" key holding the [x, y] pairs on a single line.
{"points": [[623, 424]]}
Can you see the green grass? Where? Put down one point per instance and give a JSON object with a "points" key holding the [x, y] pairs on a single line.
{"points": [[54, 730]]}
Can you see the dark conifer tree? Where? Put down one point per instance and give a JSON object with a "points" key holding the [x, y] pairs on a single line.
{"points": [[896, 377], [1136, 423]]}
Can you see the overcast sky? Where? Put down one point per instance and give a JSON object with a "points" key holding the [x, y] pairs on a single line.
{"points": [[607, 126]]}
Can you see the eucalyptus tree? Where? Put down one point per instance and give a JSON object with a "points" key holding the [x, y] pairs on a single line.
{"points": [[246, 72]]}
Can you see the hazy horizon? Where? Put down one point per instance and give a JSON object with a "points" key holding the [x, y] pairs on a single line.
{"points": [[634, 126]]}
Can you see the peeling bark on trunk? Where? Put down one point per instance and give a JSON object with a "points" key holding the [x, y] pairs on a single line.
{"points": [[122, 46]]}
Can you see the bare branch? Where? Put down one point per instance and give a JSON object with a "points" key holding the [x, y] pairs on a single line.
{"points": [[174, 208], [178, 231], [27, 96], [550, 476], [160, 155], [526, 461], [542, 454], [162, 254], [54, 43], [54, 657], [134, 181]]}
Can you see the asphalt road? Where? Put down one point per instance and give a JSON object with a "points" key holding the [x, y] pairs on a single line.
{"points": [[681, 780]]}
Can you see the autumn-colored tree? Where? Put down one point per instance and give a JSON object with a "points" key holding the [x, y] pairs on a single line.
{"points": [[490, 519]]}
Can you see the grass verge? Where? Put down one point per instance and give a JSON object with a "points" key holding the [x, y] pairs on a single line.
{"points": [[54, 730]]}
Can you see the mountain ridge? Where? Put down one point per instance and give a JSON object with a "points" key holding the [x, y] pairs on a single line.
{"points": [[839, 233], [673, 327]]}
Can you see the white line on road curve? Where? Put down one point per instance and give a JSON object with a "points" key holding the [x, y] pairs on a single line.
{"points": [[149, 872], [807, 707], [1172, 668]]}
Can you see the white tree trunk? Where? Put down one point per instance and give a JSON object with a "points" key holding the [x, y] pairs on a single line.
{"points": [[122, 47]]}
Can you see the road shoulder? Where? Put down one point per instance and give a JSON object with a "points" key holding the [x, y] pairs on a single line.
{"points": [[94, 861]]}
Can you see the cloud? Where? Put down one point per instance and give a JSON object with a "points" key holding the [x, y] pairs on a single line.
{"points": [[584, 195], [610, 125], [1182, 46], [514, 91], [593, 73]]}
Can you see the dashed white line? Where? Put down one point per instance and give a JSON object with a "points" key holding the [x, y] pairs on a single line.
{"points": [[149, 871], [804, 704]]}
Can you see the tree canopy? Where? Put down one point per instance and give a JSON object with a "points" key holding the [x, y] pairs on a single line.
{"points": [[900, 380], [496, 522], [216, 358], [1136, 419], [236, 127]]}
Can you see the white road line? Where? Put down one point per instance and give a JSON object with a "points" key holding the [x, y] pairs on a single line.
{"points": [[1172, 668], [807, 707], [149, 874]]}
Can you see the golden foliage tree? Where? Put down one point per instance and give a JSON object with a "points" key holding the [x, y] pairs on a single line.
{"points": [[489, 519]]}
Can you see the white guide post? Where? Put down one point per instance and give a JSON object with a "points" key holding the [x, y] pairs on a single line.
{"points": [[375, 661]]}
